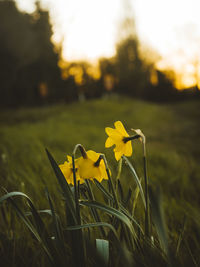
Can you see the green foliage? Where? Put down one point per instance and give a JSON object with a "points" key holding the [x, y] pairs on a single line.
{"points": [[173, 158]]}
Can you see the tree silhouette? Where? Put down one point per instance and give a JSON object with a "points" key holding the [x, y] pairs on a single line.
{"points": [[28, 57]]}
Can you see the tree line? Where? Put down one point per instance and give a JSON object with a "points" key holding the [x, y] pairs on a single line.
{"points": [[30, 72]]}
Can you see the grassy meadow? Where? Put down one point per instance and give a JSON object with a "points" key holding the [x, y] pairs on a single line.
{"points": [[173, 155]]}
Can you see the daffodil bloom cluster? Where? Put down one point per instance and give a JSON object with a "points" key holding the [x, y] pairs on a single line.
{"points": [[89, 167], [120, 138], [67, 170]]}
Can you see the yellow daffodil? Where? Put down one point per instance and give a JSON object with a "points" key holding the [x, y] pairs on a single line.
{"points": [[92, 166], [120, 138], [89, 167], [67, 170]]}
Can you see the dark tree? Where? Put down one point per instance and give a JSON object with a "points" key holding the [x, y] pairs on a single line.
{"points": [[29, 63]]}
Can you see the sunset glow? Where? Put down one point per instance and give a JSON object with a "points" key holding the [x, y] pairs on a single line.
{"points": [[89, 30]]}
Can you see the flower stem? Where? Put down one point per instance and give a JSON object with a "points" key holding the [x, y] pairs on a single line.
{"points": [[111, 182], [119, 169], [76, 192], [147, 214], [82, 150], [80, 260], [118, 175], [94, 211]]}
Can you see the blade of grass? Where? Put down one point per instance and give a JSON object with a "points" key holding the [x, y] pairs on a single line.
{"points": [[181, 235], [110, 182], [120, 191], [137, 180], [147, 214], [128, 197], [29, 213], [110, 197], [135, 198], [122, 209], [29, 225], [78, 241], [103, 190], [57, 226], [111, 211], [94, 211], [69, 200], [103, 249], [90, 225], [158, 218]]}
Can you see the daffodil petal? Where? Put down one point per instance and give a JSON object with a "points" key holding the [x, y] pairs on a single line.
{"points": [[110, 131], [109, 142], [128, 149], [67, 171], [118, 155], [82, 181], [114, 134], [104, 172], [98, 176], [93, 155], [120, 127], [69, 158], [119, 147]]}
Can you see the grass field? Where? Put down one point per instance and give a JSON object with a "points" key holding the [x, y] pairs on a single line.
{"points": [[173, 147]]}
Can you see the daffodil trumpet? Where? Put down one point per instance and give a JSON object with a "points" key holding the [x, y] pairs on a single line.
{"points": [[97, 163], [130, 138]]}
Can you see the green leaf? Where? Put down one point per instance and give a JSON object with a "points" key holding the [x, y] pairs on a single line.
{"points": [[103, 249], [110, 197], [103, 190], [181, 235], [94, 212], [46, 211], [111, 211], [72, 212], [158, 218], [35, 231], [90, 225], [135, 198], [57, 227], [70, 203], [130, 217], [136, 179], [120, 190]]}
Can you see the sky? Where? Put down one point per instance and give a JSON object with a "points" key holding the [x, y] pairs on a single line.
{"points": [[89, 29]]}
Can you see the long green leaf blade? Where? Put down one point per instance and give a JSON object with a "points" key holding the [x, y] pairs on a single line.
{"points": [[22, 216], [91, 225], [64, 186], [136, 179], [111, 211], [103, 249], [158, 218]]}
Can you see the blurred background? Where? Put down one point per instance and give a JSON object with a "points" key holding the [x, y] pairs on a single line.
{"points": [[68, 69], [63, 51]]}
